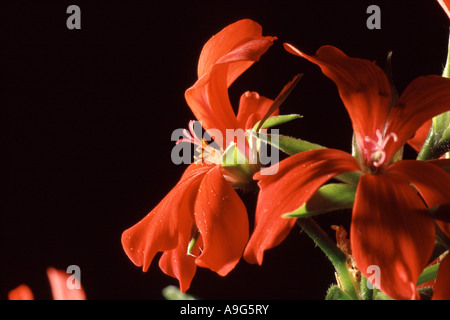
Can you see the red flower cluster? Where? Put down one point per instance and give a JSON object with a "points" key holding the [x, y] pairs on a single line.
{"points": [[202, 222]]}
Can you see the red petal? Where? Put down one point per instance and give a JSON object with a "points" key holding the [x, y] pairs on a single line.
{"points": [[221, 218], [59, 285], [362, 85], [419, 137], [252, 108], [445, 4], [159, 230], [432, 182], [423, 99], [22, 292], [390, 229], [298, 177], [227, 55], [179, 264], [225, 41], [442, 287]]}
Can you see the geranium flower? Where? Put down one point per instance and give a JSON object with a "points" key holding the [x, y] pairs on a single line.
{"points": [[391, 227], [202, 221], [58, 284]]}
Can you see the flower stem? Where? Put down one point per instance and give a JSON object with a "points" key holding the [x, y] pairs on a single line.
{"points": [[336, 256]]}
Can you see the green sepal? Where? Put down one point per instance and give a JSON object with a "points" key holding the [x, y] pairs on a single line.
{"points": [[288, 145], [428, 274], [379, 295], [334, 293], [174, 293], [232, 157], [276, 120], [330, 197], [365, 292], [193, 242]]}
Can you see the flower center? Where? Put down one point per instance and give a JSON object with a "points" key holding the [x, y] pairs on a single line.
{"points": [[374, 150], [206, 153]]}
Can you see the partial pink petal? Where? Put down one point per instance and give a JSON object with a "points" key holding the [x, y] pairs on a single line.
{"points": [[159, 230], [63, 286], [298, 177], [391, 229], [22, 292], [362, 85], [221, 218]]}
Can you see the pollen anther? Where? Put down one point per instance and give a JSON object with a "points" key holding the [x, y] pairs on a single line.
{"points": [[207, 153], [375, 152]]}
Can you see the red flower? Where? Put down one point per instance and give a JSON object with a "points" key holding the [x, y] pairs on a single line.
{"points": [[391, 227], [58, 284], [203, 205]]}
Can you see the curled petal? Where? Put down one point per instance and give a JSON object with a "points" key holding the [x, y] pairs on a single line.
{"points": [[419, 137], [252, 108], [225, 41], [391, 230], [362, 85], [298, 177], [221, 218], [226, 56], [159, 230]]}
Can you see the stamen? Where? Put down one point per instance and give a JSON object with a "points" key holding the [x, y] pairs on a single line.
{"points": [[207, 153], [376, 153], [190, 136]]}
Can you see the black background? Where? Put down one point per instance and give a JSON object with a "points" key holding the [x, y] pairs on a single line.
{"points": [[87, 116]]}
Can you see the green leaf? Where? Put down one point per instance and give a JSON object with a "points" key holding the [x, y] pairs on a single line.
{"points": [[334, 293], [277, 120], [173, 293], [329, 197]]}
